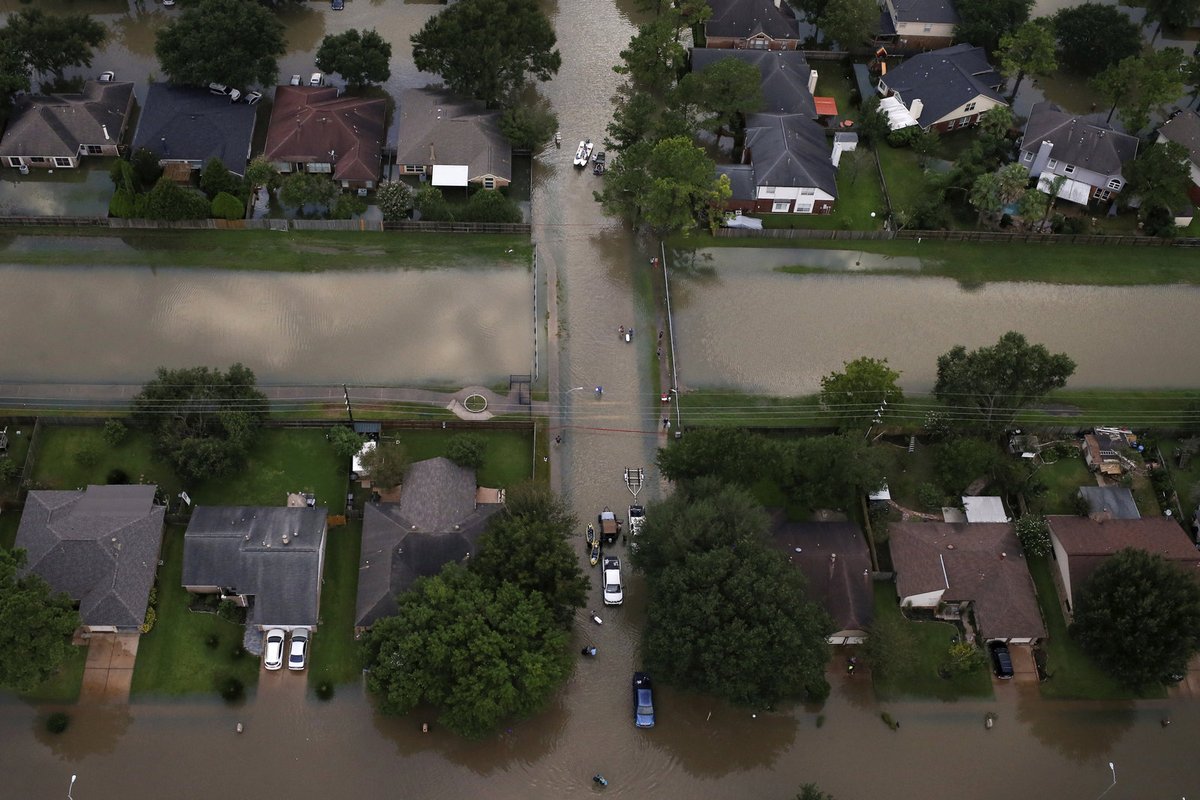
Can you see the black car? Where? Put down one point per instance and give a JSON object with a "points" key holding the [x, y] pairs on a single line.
{"points": [[643, 701], [1001, 660]]}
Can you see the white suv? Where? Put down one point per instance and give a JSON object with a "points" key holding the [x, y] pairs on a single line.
{"points": [[614, 594]]}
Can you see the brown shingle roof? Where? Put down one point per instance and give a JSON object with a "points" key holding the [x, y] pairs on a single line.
{"points": [[436, 128], [56, 125], [1089, 542], [836, 563], [309, 122], [984, 564]]}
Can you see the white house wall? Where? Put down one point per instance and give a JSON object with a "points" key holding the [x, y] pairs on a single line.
{"points": [[924, 600], [782, 194], [1063, 566]]}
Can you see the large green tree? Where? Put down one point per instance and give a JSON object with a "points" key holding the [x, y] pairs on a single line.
{"points": [[52, 42], [1091, 37], [1138, 616], [359, 57], [203, 420], [14, 69], [732, 455], [1160, 177], [992, 191], [654, 58], [528, 127], [35, 625], [850, 23], [1175, 14], [1141, 84], [726, 92], [994, 383], [727, 615], [829, 471], [985, 22], [170, 201], [386, 464], [226, 41], [308, 189], [527, 544], [863, 385], [1029, 50], [665, 185], [479, 653], [488, 49]]}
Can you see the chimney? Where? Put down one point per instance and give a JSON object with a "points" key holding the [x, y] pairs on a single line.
{"points": [[916, 108], [104, 128], [812, 81], [1041, 158], [286, 539]]}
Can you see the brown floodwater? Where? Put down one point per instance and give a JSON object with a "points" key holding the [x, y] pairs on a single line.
{"points": [[297, 747]]}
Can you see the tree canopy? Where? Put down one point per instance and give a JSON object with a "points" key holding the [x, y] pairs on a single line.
{"points": [[488, 49], [1139, 84], [308, 189], [1091, 37], [665, 185], [226, 41], [829, 471], [727, 615], [203, 420], [849, 22], [527, 127], [1138, 616], [1029, 50], [985, 22], [53, 42], [1160, 176], [386, 463], [479, 653], [346, 443], [727, 91], [998, 381], [1175, 14], [359, 57], [859, 389], [35, 625], [731, 455]]}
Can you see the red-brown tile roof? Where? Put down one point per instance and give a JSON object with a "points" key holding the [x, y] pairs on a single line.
{"points": [[308, 123]]}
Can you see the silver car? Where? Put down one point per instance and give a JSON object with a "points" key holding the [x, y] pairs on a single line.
{"points": [[298, 655]]}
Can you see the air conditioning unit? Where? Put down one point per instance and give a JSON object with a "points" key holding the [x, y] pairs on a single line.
{"points": [[362, 192]]}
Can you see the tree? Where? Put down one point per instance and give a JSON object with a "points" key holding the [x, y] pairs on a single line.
{"points": [[731, 455], [665, 185], [226, 41], [528, 544], [489, 205], [14, 69], [488, 49], [727, 615], [925, 144], [262, 172], [1091, 37], [1191, 76], [1140, 84], [386, 463], [891, 647], [1033, 205], [360, 58], [467, 450], [528, 127], [634, 115], [810, 791], [346, 443], [1000, 380], [51, 43], [480, 653], [985, 22], [1030, 49], [727, 90], [216, 178], [203, 420], [849, 22], [859, 389], [1138, 616], [168, 200], [993, 191], [308, 189], [654, 59], [1160, 177], [395, 200], [958, 462], [35, 625], [830, 471], [431, 204], [1034, 533], [1174, 14], [226, 206]]}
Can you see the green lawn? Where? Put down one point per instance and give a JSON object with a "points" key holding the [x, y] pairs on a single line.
{"points": [[18, 447], [907, 471], [63, 687], [507, 461], [283, 460], [727, 407], [9, 522], [174, 657], [835, 80], [335, 656], [58, 463], [1073, 675], [905, 179], [1063, 479], [859, 195], [933, 644], [1186, 480], [307, 251]]}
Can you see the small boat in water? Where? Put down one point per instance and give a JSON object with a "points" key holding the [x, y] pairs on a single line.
{"points": [[584, 154]]}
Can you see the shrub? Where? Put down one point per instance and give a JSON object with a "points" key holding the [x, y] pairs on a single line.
{"points": [[1034, 533], [963, 658], [9, 469], [122, 204], [216, 179], [170, 201], [231, 689], [226, 206], [117, 477], [212, 641], [88, 455], [231, 612], [114, 432], [347, 206], [57, 722], [151, 618], [395, 200], [325, 690], [930, 497], [905, 136], [467, 450], [489, 205], [432, 206]]}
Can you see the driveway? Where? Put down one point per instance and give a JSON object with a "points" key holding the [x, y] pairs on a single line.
{"points": [[108, 673]]}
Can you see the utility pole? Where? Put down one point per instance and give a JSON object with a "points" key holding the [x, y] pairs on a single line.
{"points": [[349, 410]]}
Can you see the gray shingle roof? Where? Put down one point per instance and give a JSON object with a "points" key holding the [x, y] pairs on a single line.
{"points": [[1114, 500], [436, 128], [1184, 129], [436, 522], [790, 150], [741, 180], [784, 76], [1077, 141], [183, 123], [836, 563], [56, 125], [945, 79], [242, 549], [100, 546], [745, 18], [935, 11]]}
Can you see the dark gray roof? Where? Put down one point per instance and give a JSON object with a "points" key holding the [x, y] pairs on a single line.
{"points": [[1184, 129], [935, 11], [56, 125], [1078, 141], [437, 521], [1116, 501], [741, 180], [745, 18], [243, 549], [784, 76], [100, 546], [945, 79], [790, 150], [182, 123], [437, 128], [836, 562]]}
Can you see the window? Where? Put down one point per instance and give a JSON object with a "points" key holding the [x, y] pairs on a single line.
{"points": [[38, 160], [62, 162], [928, 27], [951, 124], [1115, 183], [768, 191], [1052, 163], [781, 207], [1027, 156], [1102, 194], [489, 182], [94, 150], [808, 191], [1069, 169], [758, 44], [14, 161], [414, 169], [325, 168]]}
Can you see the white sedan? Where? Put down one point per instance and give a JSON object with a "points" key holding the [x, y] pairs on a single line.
{"points": [[273, 656]]}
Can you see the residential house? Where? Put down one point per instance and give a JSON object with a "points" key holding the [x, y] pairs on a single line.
{"points": [[313, 129], [1184, 129], [187, 125], [1088, 156], [836, 563], [1104, 450], [270, 559], [100, 546], [1081, 544], [791, 167], [451, 142], [55, 131], [752, 25], [438, 520], [1112, 502], [908, 25], [952, 568], [945, 89], [787, 81]]}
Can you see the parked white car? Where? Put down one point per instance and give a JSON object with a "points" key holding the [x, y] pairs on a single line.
{"points": [[614, 593], [298, 655], [317, 79], [273, 655]]}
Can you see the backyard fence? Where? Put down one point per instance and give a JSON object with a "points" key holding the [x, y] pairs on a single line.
{"points": [[957, 236], [361, 225], [802, 233]]}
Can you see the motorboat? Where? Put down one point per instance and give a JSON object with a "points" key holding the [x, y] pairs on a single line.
{"points": [[583, 154]]}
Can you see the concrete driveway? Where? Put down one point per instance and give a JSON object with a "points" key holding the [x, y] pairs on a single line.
{"points": [[108, 674]]}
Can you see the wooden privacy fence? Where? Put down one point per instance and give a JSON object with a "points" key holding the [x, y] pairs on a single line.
{"points": [[957, 236]]}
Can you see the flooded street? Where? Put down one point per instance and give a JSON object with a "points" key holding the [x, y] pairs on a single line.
{"points": [[297, 747]]}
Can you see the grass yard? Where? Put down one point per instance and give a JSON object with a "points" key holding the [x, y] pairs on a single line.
{"points": [[18, 448], [296, 251], [65, 454], [933, 644], [1186, 480], [908, 471], [63, 687], [710, 407], [284, 460], [859, 195], [507, 461], [905, 179], [174, 658], [335, 656], [1073, 675], [1063, 479], [9, 522]]}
